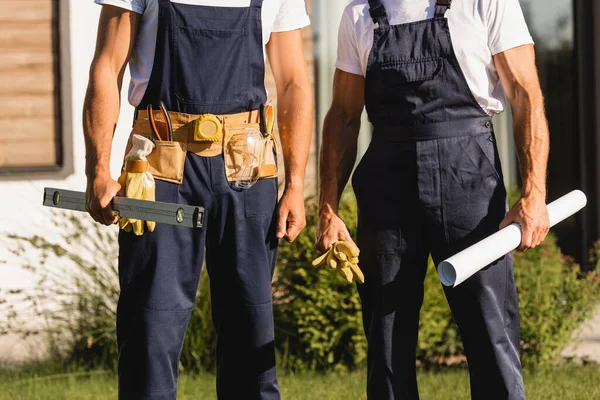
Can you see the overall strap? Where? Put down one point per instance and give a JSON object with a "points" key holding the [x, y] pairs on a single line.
{"points": [[441, 6], [378, 13], [256, 3]]}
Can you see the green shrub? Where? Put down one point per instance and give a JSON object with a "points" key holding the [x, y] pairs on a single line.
{"points": [[317, 315], [74, 298], [73, 302], [318, 319], [439, 339], [198, 354], [555, 297]]}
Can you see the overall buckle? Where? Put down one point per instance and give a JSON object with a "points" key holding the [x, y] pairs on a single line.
{"points": [[377, 12], [446, 3]]}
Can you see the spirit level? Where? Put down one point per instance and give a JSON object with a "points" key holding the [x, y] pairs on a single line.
{"points": [[162, 213]]}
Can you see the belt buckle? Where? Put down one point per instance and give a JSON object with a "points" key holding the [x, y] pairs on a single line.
{"points": [[208, 128]]}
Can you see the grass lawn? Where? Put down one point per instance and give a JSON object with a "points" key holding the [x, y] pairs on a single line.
{"points": [[566, 382]]}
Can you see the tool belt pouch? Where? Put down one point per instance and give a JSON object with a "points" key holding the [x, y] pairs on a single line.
{"points": [[271, 152], [166, 161], [248, 155]]}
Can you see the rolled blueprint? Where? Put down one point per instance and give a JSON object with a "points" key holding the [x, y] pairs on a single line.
{"points": [[458, 268]]}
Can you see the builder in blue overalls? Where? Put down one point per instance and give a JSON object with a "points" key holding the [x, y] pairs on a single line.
{"points": [[431, 75], [202, 136]]}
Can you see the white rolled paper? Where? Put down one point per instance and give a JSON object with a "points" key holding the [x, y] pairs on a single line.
{"points": [[458, 268]]}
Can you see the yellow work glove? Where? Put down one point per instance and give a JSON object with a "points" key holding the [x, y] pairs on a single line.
{"points": [[343, 257], [137, 182]]}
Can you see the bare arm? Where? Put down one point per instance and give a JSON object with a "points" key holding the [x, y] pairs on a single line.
{"points": [[116, 35], [518, 74], [338, 154], [295, 121]]}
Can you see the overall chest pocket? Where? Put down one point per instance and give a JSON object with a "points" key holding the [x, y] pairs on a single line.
{"points": [[395, 72], [211, 66]]}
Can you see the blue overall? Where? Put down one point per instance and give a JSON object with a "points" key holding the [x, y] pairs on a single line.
{"points": [[430, 183], [208, 60]]}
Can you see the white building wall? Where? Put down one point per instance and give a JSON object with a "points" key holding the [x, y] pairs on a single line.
{"points": [[21, 209]]}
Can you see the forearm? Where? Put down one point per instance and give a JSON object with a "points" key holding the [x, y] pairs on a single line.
{"points": [[100, 116], [532, 142], [338, 156], [295, 121]]}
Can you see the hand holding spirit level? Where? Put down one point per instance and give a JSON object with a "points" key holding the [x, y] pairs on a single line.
{"points": [[162, 213]]}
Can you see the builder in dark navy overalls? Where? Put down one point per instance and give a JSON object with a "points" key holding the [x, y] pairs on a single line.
{"points": [[431, 75], [203, 135]]}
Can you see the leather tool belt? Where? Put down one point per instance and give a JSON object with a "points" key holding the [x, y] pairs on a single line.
{"points": [[204, 135]]}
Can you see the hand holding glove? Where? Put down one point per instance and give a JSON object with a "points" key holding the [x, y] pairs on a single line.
{"points": [[343, 257], [137, 182]]}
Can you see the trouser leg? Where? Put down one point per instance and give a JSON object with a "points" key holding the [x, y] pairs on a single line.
{"points": [[241, 253], [485, 307], [159, 275], [394, 260]]}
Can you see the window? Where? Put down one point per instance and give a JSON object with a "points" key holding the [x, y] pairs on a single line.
{"points": [[30, 101]]}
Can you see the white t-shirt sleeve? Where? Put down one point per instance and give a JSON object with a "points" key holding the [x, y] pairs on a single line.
{"points": [[348, 56], [292, 15], [137, 6], [506, 25]]}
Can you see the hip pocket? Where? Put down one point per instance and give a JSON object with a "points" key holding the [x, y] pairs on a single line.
{"points": [[167, 161], [260, 200], [211, 65], [487, 146]]}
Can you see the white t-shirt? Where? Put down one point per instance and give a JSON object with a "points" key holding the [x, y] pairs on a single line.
{"points": [[479, 29], [277, 16]]}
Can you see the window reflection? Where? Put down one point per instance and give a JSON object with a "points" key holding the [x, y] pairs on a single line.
{"points": [[551, 23]]}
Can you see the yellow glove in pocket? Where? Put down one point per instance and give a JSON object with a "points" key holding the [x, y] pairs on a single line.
{"points": [[343, 257], [137, 182]]}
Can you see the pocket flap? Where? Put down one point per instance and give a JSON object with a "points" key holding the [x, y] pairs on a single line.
{"points": [[413, 71], [167, 160]]}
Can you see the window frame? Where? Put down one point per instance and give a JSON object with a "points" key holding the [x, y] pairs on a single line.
{"points": [[63, 132]]}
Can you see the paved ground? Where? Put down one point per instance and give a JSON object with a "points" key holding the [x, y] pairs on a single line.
{"points": [[586, 343]]}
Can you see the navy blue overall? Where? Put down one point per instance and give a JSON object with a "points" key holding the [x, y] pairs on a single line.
{"points": [[430, 183], [208, 60]]}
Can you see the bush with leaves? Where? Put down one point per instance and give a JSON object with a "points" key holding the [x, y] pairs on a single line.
{"points": [[319, 323], [73, 301], [555, 297], [200, 344], [318, 318]]}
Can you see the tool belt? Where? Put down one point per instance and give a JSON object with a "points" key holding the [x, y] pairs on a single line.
{"points": [[204, 135]]}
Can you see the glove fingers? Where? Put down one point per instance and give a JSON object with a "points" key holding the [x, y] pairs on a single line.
{"points": [[127, 226], [151, 225], [341, 256], [358, 274], [331, 260], [346, 273], [123, 179], [320, 260], [348, 248], [123, 223], [138, 227], [135, 186]]}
